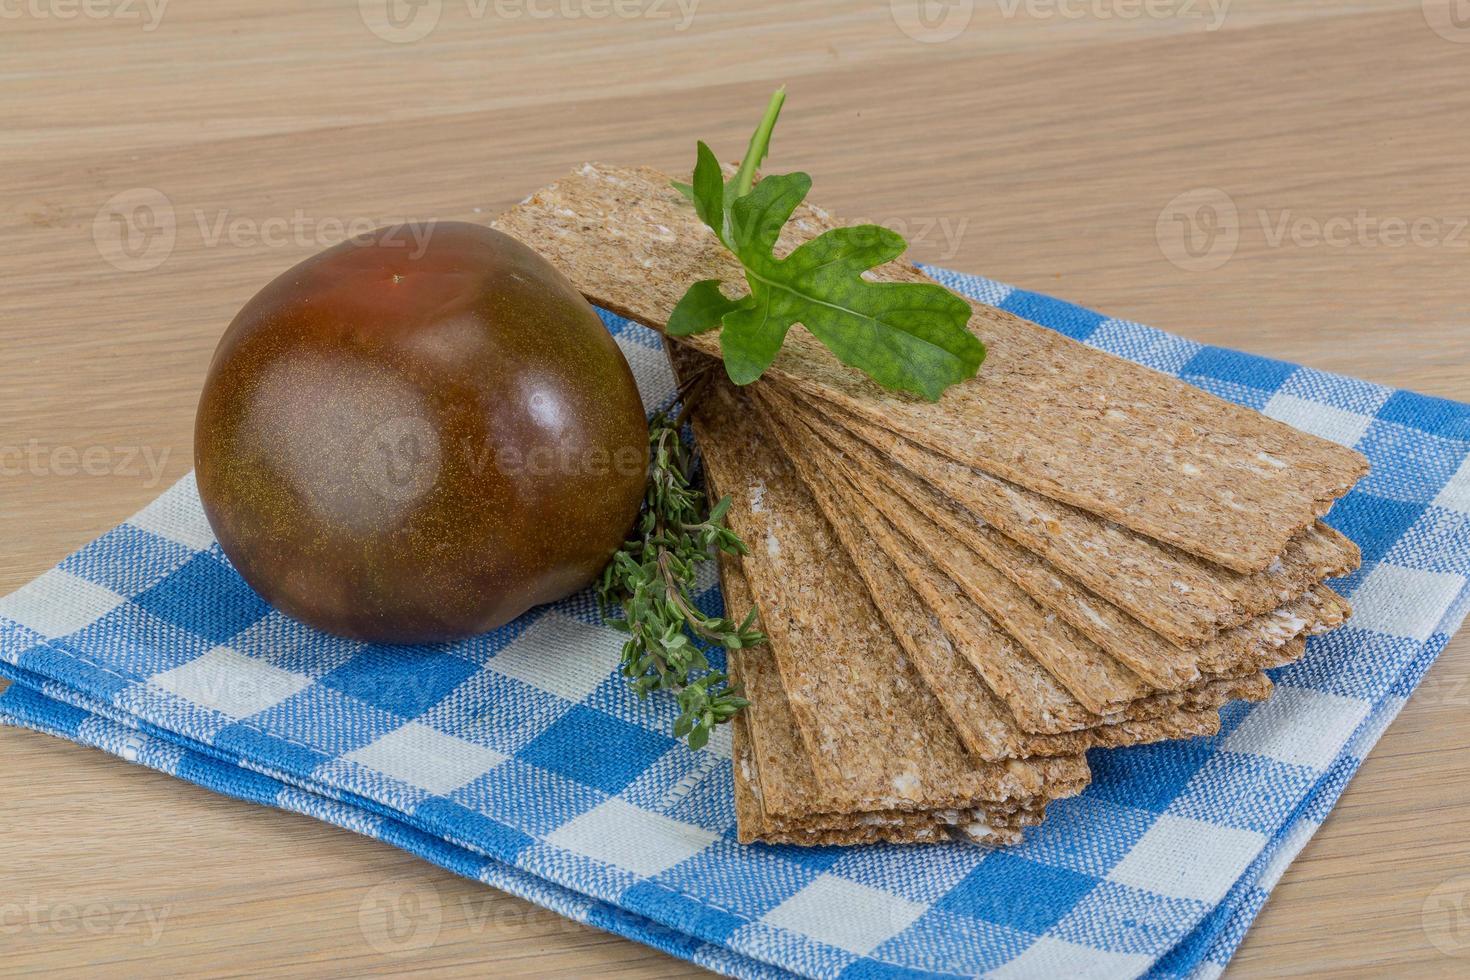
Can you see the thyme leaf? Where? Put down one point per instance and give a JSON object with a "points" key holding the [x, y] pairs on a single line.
{"points": [[646, 591]]}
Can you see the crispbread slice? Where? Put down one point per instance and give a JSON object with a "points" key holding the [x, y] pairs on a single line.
{"points": [[1035, 699], [787, 764], [1089, 673], [891, 594], [998, 824], [1051, 644], [874, 734], [1184, 599], [982, 721], [1155, 658], [1068, 421], [752, 824], [769, 714], [787, 772], [1100, 680]]}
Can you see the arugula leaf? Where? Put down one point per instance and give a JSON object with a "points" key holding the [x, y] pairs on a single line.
{"points": [[756, 149], [701, 309], [755, 155], [906, 336], [707, 193]]}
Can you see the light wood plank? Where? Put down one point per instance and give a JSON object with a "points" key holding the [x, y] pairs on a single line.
{"points": [[1040, 150]]}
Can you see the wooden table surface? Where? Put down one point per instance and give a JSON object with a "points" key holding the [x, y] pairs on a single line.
{"points": [[1287, 178]]}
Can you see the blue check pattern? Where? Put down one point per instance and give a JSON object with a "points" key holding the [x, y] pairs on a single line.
{"points": [[520, 759]]}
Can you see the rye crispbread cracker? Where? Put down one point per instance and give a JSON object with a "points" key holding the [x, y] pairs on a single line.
{"points": [[1155, 659], [1088, 672], [752, 825], [787, 771], [940, 665], [986, 825], [874, 734], [1186, 600], [1100, 680], [1000, 826], [983, 723], [1065, 420], [1036, 700], [1076, 664]]}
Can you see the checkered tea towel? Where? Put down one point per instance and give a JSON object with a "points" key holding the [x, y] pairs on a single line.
{"points": [[521, 759]]}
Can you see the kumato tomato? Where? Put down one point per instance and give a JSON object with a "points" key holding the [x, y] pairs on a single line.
{"points": [[416, 436]]}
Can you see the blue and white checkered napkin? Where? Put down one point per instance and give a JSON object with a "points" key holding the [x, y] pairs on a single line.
{"points": [[521, 759]]}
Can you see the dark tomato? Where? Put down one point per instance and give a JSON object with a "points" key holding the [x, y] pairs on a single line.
{"points": [[417, 436]]}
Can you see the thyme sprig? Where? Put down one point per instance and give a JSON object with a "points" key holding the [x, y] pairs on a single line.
{"points": [[646, 590]]}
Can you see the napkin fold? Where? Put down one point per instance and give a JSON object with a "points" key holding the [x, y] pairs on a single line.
{"points": [[520, 758]]}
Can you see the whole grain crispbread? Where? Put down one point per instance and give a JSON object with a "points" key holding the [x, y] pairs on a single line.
{"points": [[1098, 674], [1015, 663], [982, 721], [874, 734], [1184, 599], [1156, 659], [1036, 700], [1065, 420], [775, 763], [752, 824]]}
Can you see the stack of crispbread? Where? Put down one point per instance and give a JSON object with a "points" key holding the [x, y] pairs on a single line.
{"points": [[1068, 551]]}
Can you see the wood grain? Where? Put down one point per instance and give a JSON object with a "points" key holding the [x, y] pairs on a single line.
{"points": [[1037, 147]]}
